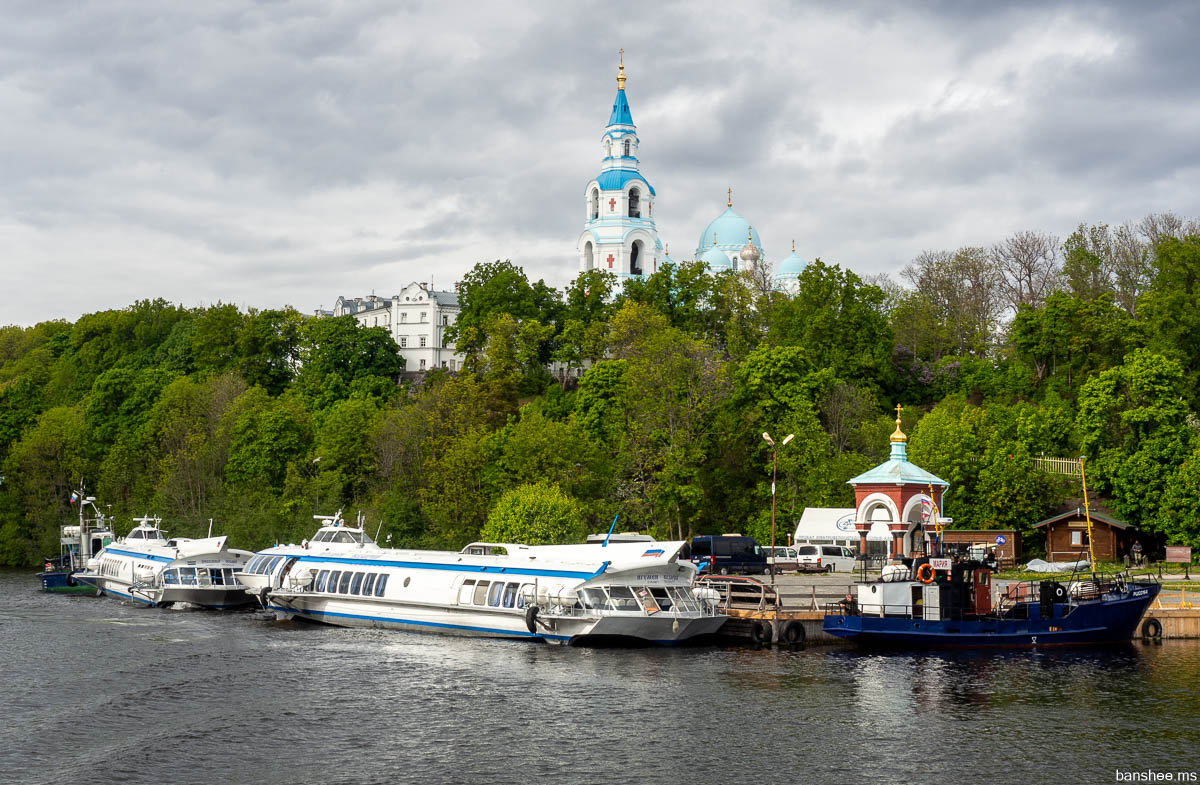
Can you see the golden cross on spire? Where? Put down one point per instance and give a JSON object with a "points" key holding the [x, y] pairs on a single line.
{"points": [[898, 435], [793, 245], [621, 69], [729, 197]]}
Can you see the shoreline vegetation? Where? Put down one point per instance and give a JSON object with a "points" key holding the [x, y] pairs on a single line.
{"points": [[261, 419]]}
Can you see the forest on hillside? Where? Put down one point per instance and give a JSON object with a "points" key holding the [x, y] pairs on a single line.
{"points": [[259, 420]]}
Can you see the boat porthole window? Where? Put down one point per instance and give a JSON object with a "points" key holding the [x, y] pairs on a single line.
{"points": [[344, 583], [322, 578], [356, 584], [333, 581], [407, 580], [369, 584], [382, 582]]}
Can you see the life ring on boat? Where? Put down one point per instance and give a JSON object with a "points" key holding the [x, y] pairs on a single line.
{"points": [[925, 573], [531, 614], [1151, 628], [793, 632]]}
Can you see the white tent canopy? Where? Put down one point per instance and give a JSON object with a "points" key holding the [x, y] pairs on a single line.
{"points": [[834, 525]]}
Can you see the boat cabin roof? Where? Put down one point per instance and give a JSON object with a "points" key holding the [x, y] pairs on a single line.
{"points": [[146, 531], [345, 534]]}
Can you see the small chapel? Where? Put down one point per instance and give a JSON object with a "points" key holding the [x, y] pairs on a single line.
{"points": [[895, 504]]}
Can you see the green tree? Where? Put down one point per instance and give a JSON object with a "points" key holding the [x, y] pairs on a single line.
{"points": [[840, 321], [535, 514], [493, 288], [1133, 425]]}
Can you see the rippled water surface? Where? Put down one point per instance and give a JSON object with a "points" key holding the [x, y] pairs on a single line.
{"points": [[94, 691]]}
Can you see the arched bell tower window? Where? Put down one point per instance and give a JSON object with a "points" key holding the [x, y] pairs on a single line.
{"points": [[635, 258], [627, 144], [608, 148], [635, 206], [594, 203], [589, 260]]}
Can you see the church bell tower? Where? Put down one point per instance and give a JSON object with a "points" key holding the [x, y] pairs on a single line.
{"points": [[619, 235]]}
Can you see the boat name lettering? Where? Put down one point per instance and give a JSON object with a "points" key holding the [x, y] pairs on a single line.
{"points": [[1140, 593]]}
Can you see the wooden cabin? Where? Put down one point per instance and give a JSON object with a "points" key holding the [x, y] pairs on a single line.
{"points": [[1067, 536]]}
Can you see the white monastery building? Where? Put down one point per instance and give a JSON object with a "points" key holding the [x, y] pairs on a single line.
{"points": [[416, 318]]}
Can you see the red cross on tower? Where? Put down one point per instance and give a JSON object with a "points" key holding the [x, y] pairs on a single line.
{"points": [[610, 261], [612, 205]]}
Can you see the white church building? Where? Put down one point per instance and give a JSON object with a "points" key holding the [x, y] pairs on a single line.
{"points": [[619, 236]]}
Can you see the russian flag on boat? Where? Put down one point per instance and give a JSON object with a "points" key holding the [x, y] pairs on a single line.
{"points": [[653, 552], [74, 497]]}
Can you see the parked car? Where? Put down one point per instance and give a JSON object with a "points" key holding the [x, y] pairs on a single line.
{"points": [[825, 558], [726, 554], [782, 559]]}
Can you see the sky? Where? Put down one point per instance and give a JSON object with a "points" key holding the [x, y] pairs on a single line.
{"points": [[284, 153]]}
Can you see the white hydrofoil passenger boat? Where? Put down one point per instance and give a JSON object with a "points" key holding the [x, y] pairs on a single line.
{"points": [[147, 567], [632, 591]]}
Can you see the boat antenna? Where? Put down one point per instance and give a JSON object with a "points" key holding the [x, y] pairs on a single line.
{"points": [[210, 527], [610, 531], [379, 530], [1087, 514]]}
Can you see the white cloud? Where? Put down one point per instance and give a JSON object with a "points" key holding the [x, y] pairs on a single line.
{"points": [[275, 154]]}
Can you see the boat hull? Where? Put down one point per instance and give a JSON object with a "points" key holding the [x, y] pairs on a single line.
{"points": [[662, 630], [62, 582], [1101, 621]]}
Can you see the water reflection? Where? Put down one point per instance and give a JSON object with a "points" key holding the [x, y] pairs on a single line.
{"points": [[103, 692]]}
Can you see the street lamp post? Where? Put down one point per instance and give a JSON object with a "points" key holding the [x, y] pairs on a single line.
{"points": [[774, 473]]}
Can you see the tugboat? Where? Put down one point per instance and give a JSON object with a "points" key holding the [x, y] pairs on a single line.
{"points": [[951, 602], [77, 543], [944, 601]]}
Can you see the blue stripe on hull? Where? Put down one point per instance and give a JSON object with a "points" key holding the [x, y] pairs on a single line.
{"points": [[469, 568], [330, 617]]}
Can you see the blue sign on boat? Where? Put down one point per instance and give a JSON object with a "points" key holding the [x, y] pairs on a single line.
{"points": [[1001, 539]]}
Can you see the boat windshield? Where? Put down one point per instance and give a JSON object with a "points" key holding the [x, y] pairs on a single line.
{"points": [[342, 535]]}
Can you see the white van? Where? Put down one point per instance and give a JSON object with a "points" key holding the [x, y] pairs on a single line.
{"points": [[825, 558]]}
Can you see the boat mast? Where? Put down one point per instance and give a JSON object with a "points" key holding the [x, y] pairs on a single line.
{"points": [[1087, 514]]}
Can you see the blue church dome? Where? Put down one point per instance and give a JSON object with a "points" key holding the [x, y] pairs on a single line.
{"points": [[731, 230], [791, 267], [716, 260]]}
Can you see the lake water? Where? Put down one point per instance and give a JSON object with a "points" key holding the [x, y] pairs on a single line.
{"points": [[95, 691]]}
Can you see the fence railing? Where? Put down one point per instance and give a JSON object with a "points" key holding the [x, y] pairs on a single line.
{"points": [[1067, 466]]}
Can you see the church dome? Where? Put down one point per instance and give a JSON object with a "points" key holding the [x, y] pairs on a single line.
{"points": [[791, 267], [750, 253], [729, 228], [716, 260]]}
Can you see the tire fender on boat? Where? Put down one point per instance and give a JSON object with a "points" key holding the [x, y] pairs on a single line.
{"points": [[70, 579], [793, 632], [531, 614], [1151, 628]]}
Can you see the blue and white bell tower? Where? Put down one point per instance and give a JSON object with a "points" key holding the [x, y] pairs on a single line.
{"points": [[619, 233]]}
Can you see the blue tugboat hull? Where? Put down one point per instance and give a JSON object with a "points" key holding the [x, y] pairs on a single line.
{"points": [[1100, 621]]}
